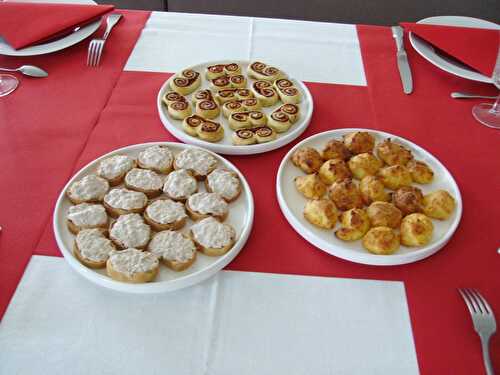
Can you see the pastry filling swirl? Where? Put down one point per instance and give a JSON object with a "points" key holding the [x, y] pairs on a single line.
{"points": [[216, 68], [203, 94], [258, 85], [181, 82], [250, 102], [194, 121], [270, 71], [279, 116], [174, 97], [282, 83], [244, 133], [290, 109], [226, 93], [267, 92], [179, 106], [264, 131], [244, 92], [240, 116], [190, 74], [210, 127], [233, 67], [239, 79], [256, 115], [207, 105], [233, 105], [290, 91], [221, 81], [258, 66]]}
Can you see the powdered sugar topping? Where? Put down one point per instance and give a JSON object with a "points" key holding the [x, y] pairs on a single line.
{"points": [[93, 246], [89, 188], [143, 179], [210, 233], [115, 166], [208, 203], [156, 157], [165, 211], [172, 246], [130, 231], [126, 199], [180, 184], [131, 261], [224, 182], [87, 215], [198, 160]]}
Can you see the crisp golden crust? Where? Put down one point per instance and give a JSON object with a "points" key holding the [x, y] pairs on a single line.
{"points": [[359, 142], [345, 194], [372, 190], [416, 230], [392, 153], [383, 214], [73, 228], [420, 172], [364, 164], [439, 204], [334, 170], [335, 149], [408, 199], [307, 159], [395, 176], [355, 223], [381, 241], [115, 212], [197, 216], [322, 213], [85, 261], [310, 186]]}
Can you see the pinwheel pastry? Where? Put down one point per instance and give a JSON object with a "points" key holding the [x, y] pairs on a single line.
{"points": [[115, 168], [122, 201], [179, 110], [218, 70], [202, 95], [257, 119], [226, 95], [199, 162], [172, 97], [130, 231], [163, 214], [292, 110], [221, 83], [145, 181], [186, 82], [92, 248], [279, 121], [176, 250], [212, 237], [132, 266], [207, 109], [264, 91], [239, 120], [233, 106], [202, 205], [238, 81], [86, 216], [243, 94], [157, 158], [264, 134], [251, 104], [210, 131], [244, 137], [225, 183], [89, 189], [288, 93], [261, 71], [191, 124]]}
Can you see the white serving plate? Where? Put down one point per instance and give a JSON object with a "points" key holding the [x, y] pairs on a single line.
{"points": [[225, 146], [240, 217], [55, 45], [446, 63], [292, 205]]}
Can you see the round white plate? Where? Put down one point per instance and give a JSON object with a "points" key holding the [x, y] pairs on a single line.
{"points": [[292, 205], [240, 217], [56, 45], [446, 63], [225, 146]]}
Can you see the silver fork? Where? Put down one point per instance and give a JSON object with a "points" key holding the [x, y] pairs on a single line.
{"points": [[484, 322], [96, 45]]}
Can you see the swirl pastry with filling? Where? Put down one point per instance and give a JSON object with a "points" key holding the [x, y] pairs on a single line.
{"points": [[288, 93], [191, 124], [265, 92], [279, 121], [244, 137], [207, 109], [210, 131], [265, 134], [186, 82]]}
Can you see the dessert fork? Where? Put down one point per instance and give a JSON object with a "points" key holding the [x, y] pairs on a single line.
{"points": [[483, 320], [96, 45]]}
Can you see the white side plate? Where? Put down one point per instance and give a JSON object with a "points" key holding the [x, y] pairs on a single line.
{"points": [[292, 205]]}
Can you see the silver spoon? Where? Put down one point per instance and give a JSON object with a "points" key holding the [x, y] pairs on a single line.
{"points": [[28, 70], [464, 95]]}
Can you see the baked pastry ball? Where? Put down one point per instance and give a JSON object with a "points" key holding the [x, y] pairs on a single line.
{"points": [[198, 161], [186, 82], [308, 159], [395, 176], [364, 164], [265, 134], [251, 104], [381, 241], [86, 216], [310, 186], [345, 194], [214, 71], [384, 214], [420, 172], [92, 248], [224, 182], [238, 81], [180, 185], [207, 109], [176, 250], [202, 205], [123, 201], [171, 97], [130, 231], [372, 190], [321, 212], [239, 120], [179, 110], [279, 121], [359, 142], [439, 204], [355, 224], [233, 106], [292, 110], [242, 94], [202, 95], [191, 124], [392, 153], [335, 149], [115, 168], [210, 131], [244, 137], [416, 230], [157, 158], [226, 95], [264, 91], [132, 266], [163, 214], [221, 83], [145, 181], [257, 118], [212, 237], [89, 189], [408, 199], [334, 170]]}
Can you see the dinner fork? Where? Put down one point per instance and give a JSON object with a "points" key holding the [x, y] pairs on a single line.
{"points": [[484, 322], [96, 45]]}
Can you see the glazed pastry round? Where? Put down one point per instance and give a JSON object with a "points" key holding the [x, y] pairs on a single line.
{"points": [[292, 110], [122, 201], [210, 131], [384, 214], [265, 134], [176, 250], [239, 120], [202, 205], [86, 216], [395, 176], [420, 172], [132, 266], [416, 230], [179, 185], [157, 158], [92, 248], [345, 194], [171, 97], [89, 189], [321, 212], [242, 94], [233, 106], [145, 181], [225, 95], [130, 231], [163, 214], [244, 137], [264, 91], [364, 164], [335, 149], [439, 204], [200, 162], [257, 118], [251, 104], [225, 183], [355, 224], [381, 241], [212, 237], [179, 110], [238, 81], [221, 83], [359, 142], [334, 170], [115, 168], [409, 199], [307, 159], [311, 186], [392, 153], [372, 190], [202, 95], [214, 71], [207, 109], [191, 124], [186, 82]]}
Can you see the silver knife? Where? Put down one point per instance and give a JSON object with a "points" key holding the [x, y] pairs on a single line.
{"points": [[403, 66]]}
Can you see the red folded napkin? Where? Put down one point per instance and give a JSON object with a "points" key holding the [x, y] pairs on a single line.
{"points": [[477, 48], [24, 24]]}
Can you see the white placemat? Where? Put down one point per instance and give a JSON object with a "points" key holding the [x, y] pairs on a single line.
{"points": [[236, 323]]}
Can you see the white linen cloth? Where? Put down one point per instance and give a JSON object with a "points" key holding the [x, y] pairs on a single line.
{"points": [[235, 323], [309, 51]]}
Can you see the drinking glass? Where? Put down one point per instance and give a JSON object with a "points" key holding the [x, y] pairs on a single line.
{"points": [[8, 83]]}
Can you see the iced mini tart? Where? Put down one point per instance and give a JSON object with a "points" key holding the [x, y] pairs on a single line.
{"points": [[122, 201], [92, 248], [176, 250], [86, 216], [212, 237], [130, 231], [225, 183], [200, 162], [132, 266], [115, 168], [180, 185], [202, 205], [145, 181], [163, 214], [157, 158], [89, 189]]}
